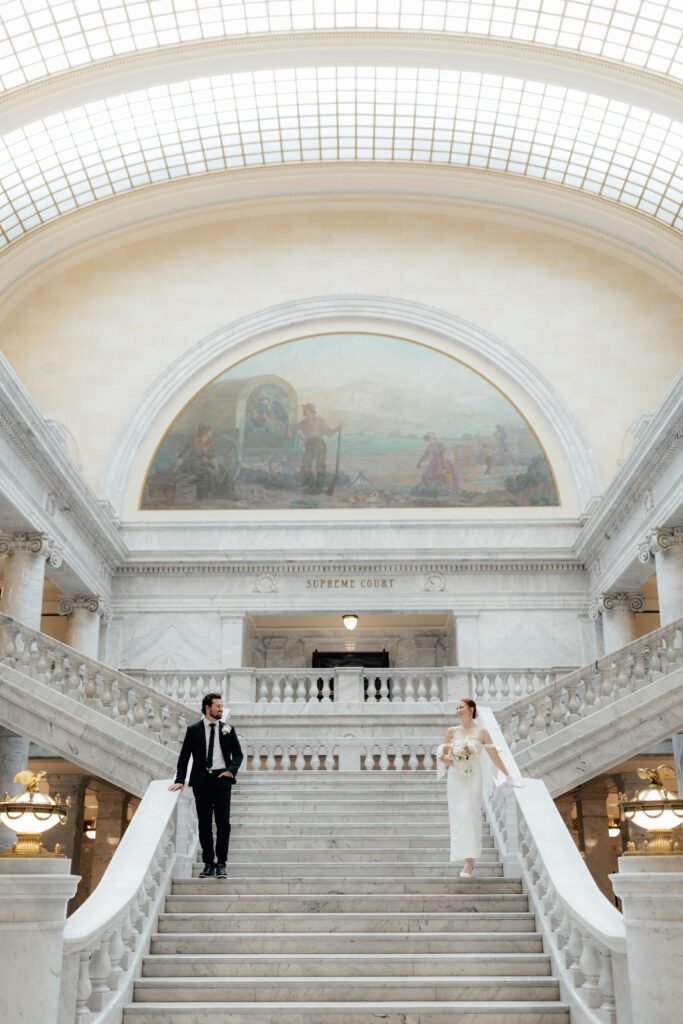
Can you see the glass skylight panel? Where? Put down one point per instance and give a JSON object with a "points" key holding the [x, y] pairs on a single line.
{"points": [[564, 136], [44, 37]]}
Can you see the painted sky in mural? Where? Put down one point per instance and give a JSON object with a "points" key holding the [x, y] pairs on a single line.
{"points": [[348, 420]]}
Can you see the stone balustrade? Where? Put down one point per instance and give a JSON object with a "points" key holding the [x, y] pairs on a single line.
{"points": [[106, 938], [370, 687], [287, 754], [583, 932], [115, 695], [579, 694], [399, 755]]}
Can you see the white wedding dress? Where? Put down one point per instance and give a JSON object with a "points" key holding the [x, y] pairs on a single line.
{"points": [[464, 782]]}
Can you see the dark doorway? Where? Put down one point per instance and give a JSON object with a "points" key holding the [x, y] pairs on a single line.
{"points": [[350, 659]]}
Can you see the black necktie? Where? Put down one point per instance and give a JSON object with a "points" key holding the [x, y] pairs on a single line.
{"points": [[209, 756]]}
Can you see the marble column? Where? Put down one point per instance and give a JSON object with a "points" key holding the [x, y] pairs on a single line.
{"points": [[33, 898], [666, 547], [591, 808], [24, 557], [651, 891], [111, 811], [83, 614], [618, 613]]}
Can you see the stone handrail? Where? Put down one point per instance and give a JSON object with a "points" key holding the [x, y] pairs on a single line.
{"points": [[577, 695], [114, 694], [106, 938], [583, 932]]}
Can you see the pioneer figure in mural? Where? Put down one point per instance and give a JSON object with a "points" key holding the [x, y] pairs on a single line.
{"points": [[314, 430], [439, 471], [199, 459], [274, 414]]}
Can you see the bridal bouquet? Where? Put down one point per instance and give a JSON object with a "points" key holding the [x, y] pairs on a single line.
{"points": [[462, 753]]}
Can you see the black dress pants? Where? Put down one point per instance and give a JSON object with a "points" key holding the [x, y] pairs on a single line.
{"points": [[212, 800]]}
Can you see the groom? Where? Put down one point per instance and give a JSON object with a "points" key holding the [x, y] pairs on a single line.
{"points": [[216, 757]]}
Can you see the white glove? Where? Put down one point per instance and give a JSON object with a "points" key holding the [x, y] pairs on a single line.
{"points": [[515, 783]]}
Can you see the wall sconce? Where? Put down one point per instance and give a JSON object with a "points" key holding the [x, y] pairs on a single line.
{"points": [[350, 621], [90, 828], [654, 809], [30, 814]]}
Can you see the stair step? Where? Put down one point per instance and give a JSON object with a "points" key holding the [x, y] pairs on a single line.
{"points": [[371, 854], [334, 989], [421, 1012], [262, 885], [322, 869], [211, 965], [285, 840], [218, 902], [313, 944], [348, 922]]}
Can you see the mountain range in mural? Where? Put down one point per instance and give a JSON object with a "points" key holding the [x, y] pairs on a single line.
{"points": [[349, 420]]}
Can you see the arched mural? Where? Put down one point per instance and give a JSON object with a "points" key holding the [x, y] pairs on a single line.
{"points": [[349, 420]]}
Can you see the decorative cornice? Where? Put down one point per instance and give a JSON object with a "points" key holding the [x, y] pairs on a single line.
{"points": [[608, 602], [38, 544], [93, 603], [397, 568], [659, 540]]}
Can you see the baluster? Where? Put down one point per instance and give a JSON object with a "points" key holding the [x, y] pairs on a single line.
{"points": [[622, 679], [562, 936], [655, 661], [275, 692], [399, 764], [412, 759], [175, 724], [58, 680], [556, 712], [505, 686], [537, 722], [123, 704], [127, 934], [139, 713], [434, 690], [301, 690], [43, 665], [326, 692], [100, 969], [89, 682], [315, 759], [421, 689], [106, 693], [383, 757], [575, 950], [639, 671], [369, 759], [385, 689], [532, 683], [156, 721], [512, 730], [300, 760], [84, 987], [589, 693], [23, 653], [606, 687], [398, 690], [517, 678], [328, 753], [573, 704], [608, 1006], [590, 968], [270, 757], [428, 760], [288, 690], [116, 952], [478, 682], [262, 691], [671, 654]]}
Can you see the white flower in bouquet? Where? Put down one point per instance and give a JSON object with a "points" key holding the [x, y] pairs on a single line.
{"points": [[462, 754]]}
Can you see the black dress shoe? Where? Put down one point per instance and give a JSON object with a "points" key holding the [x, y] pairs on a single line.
{"points": [[221, 872], [208, 872]]}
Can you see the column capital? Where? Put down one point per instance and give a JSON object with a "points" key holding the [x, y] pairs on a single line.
{"points": [[35, 543], [93, 603], [659, 539], [608, 602]]}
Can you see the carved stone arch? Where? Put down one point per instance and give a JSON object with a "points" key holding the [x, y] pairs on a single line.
{"points": [[576, 452]]}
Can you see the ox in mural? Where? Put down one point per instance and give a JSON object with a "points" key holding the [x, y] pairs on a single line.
{"points": [[349, 420]]}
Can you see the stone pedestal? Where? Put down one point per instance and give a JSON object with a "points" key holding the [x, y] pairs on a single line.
{"points": [[33, 896], [651, 891], [349, 685]]}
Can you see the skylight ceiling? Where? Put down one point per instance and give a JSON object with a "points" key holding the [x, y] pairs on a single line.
{"points": [[566, 137], [45, 37]]}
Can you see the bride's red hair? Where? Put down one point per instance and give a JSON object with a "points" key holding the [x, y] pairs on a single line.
{"points": [[470, 704]]}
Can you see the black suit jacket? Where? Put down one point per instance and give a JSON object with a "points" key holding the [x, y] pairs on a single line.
{"points": [[194, 745]]}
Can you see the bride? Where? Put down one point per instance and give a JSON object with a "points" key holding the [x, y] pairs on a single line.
{"points": [[460, 752]]}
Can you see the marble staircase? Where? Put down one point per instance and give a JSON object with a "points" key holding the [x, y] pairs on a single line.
{"points": [[341, 905]]}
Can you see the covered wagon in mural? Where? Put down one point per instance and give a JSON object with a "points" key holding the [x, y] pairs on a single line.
{"points": [[232, 428]]}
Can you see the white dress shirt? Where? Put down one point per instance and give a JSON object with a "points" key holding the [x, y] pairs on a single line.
{"points": [[218, 759]]}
